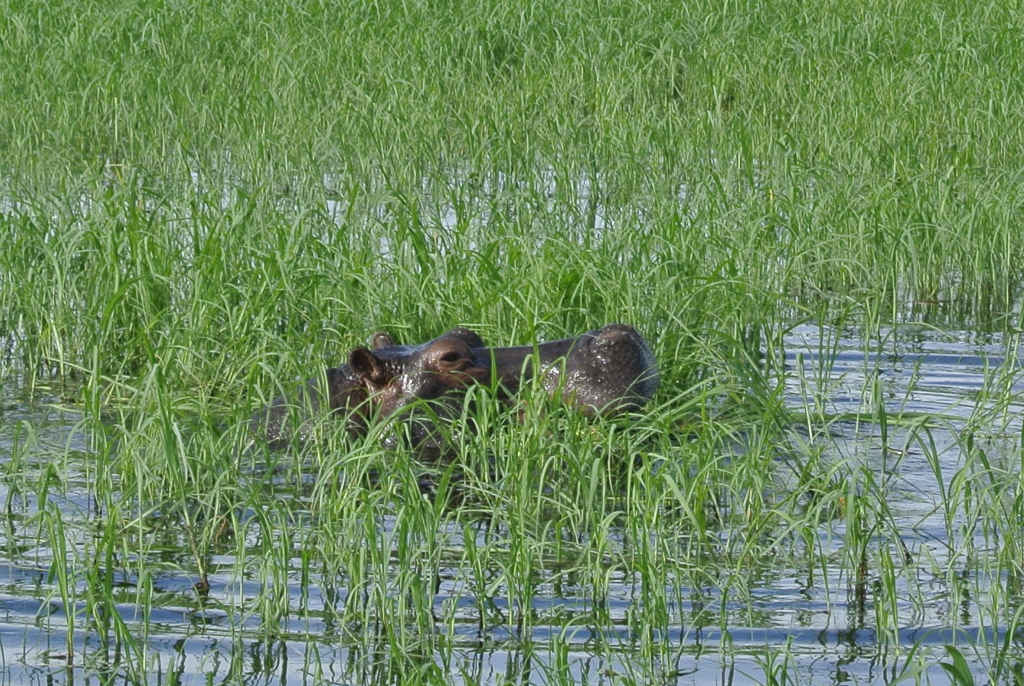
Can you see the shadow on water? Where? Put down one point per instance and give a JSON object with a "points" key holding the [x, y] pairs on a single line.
{"points": [[802, 616]]}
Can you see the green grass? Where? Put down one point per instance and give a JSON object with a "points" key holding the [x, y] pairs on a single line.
{"points": [[200, 207]]}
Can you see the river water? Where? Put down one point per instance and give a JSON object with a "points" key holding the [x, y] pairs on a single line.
{"points": [[908, 374]]}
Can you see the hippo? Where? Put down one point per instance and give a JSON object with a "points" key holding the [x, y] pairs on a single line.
{"points": [[606, 371]]}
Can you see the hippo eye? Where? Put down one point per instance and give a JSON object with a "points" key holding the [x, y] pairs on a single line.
{"points": [[450, 357]]}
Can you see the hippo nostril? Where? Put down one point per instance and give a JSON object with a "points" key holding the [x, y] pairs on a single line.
{"points": [[450, 357]]}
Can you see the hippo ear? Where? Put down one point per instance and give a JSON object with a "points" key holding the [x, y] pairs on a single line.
{"points": [[381, 339], [368, 366], [472, 338]]}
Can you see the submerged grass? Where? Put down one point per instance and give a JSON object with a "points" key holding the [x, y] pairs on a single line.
{"points": [[203, 206]]}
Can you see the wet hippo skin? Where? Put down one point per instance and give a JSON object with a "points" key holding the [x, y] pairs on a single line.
{"points": [[605, 371]]}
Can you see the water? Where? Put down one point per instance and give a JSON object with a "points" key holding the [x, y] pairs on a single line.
{"points": [[801, 601]]}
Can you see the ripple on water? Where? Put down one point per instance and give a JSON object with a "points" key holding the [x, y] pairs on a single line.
{"points": [[806, 602]]}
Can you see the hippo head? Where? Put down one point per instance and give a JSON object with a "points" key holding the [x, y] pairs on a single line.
{"points": [[398, 378]]}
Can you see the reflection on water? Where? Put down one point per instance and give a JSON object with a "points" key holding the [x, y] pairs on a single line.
{"points": [[911, 373], [922, 370]]}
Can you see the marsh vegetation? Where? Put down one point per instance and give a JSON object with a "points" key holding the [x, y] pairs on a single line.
{"points": [[811, 212]]}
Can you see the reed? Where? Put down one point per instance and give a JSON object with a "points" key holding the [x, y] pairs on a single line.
{"points": [[202, 207]]}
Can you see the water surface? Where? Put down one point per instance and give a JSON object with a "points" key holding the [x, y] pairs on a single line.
{"points": [[916, 382]]}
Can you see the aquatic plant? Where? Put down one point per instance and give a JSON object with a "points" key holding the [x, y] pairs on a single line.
{"points": [[202, 207]]}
